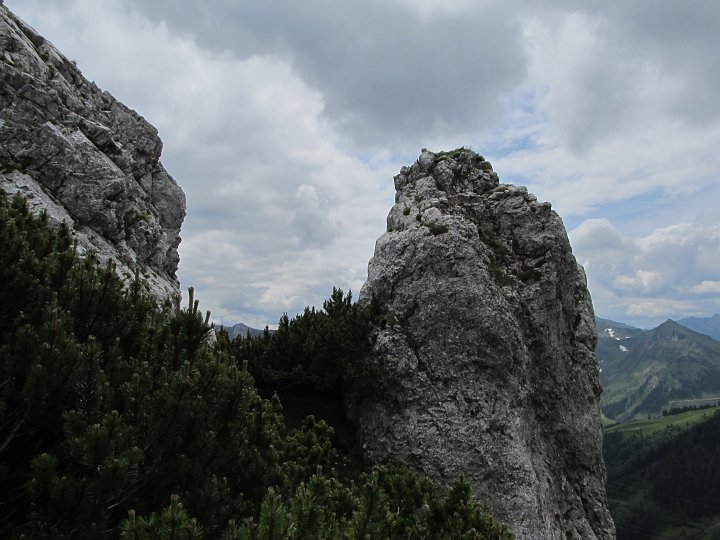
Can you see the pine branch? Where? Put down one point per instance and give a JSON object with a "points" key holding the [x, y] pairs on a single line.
{"points": [[14, 430]]}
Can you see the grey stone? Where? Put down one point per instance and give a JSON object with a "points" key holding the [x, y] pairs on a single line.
{"points": [[484, 366], [87, 159]]}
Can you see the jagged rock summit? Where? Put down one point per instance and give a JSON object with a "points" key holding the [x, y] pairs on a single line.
{"points": [[86, 159], [484, 363]]}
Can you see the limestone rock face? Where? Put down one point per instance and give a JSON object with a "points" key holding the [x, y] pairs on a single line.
{"points": [[86, 158], [484, 364]]}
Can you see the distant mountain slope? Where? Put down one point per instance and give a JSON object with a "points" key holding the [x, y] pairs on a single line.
{"points": [[612, 336], [654, 367], [241, 330], [710, 326], [604, 324]]}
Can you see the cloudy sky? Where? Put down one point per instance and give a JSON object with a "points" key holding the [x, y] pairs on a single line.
{"points": [[285, 121]]}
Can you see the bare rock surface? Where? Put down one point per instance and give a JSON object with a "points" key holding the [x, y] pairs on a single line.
{"points": [[87, 159], [484, 364]]}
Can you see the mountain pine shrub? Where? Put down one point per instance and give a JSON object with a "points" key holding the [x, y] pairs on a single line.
{"points": [[118, 418]]}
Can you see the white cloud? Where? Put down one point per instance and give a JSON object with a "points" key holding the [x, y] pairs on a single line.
{"points": [[642, 281], [658, 308], [670, 273], [599, 123], [706, 287], [312, 223], [267, 187]]}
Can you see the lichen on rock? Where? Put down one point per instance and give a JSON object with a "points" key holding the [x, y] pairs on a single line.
{"points": [[485, 359], [87, 159]]}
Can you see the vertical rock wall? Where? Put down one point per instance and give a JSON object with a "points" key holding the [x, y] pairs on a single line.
{"points": [[86, 159], [484, 363]]}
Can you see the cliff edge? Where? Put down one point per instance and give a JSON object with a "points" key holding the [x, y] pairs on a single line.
{"points": [[76, 152], [484, 363]]}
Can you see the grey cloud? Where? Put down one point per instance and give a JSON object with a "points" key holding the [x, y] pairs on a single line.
{"points": [[393, 75], [388, 74], [684, 39], [653, 58], [311, 223]]}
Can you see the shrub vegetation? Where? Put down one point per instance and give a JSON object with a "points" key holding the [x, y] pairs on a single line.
{"points": [[118, 418]]}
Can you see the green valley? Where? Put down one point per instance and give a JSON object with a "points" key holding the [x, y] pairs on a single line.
{"points": [[661, 389], [663, 478]]}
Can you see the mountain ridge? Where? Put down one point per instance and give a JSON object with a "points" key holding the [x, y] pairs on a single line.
{"points": [[709, 326], [668, 363], [602, 323], [240, 330]]}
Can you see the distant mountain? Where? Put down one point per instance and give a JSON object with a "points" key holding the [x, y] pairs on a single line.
{"points": [[612, 336], [604, 324], [241, 329], [642, 371], [710, 326]]}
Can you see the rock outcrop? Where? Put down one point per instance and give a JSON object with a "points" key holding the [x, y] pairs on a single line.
{"points": [[484, 364], [86, 159]]}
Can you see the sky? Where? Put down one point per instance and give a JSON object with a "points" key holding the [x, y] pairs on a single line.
{"points": [[284, 122]]}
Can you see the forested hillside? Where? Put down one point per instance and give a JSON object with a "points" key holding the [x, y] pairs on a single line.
{"points": [[119, 419], [663, 480]]}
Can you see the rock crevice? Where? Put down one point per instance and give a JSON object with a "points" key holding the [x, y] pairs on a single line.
{"points": [[485, 359]]}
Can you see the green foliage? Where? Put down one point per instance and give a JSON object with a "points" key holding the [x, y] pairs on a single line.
{"points": [[437, 228], [111, 403], [389, 502], [319, 348], [704, 405], [113, 410], [665, 480], [453, 153], [173, 523]]}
